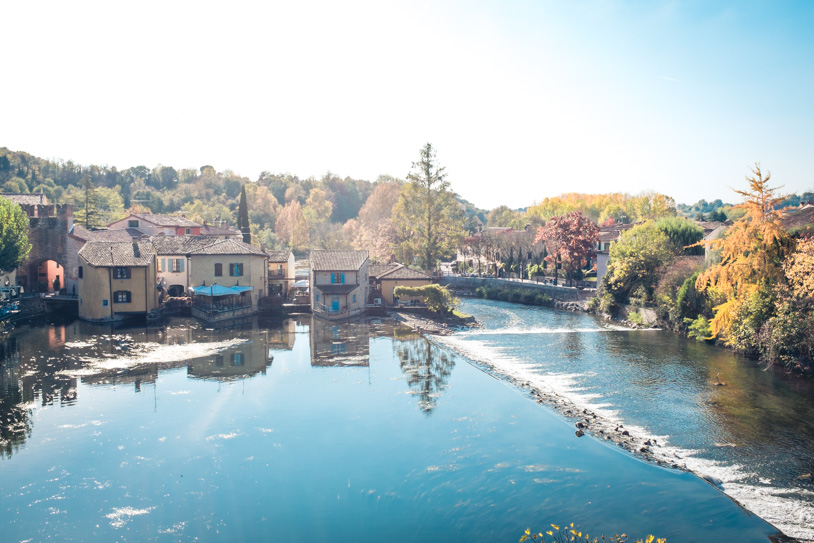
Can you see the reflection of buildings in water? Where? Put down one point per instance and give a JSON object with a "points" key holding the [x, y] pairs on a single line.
{"points": [[238, 362], [282, 336], [15, 423], [426, 366], [336, 344]]}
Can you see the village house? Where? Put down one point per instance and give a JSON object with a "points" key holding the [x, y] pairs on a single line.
{"points": [[172, 256], [339, 283], [239, 269], [152, 224], [281, 272], [384, 278], [116, 279]]}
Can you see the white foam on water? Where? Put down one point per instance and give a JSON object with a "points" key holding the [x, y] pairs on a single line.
{"points": [[150, 353], [787, 509]]}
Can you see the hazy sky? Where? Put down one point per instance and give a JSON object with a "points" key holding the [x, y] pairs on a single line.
{"points": [[522, 99]]}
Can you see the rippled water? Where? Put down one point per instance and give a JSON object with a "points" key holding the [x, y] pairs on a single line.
{"points": [[303, 430], [756, 434]]}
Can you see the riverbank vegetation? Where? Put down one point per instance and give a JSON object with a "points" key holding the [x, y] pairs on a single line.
{"points": [[752, 291], [518, 295]]}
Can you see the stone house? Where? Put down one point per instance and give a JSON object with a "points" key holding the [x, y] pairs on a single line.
{"points": [[230, 263], [385, 278], [116, 279], [339, 283], [153, 224], [281, 272]]}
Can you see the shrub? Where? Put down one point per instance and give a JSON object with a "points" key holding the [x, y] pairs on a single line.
{"points": [[699, 328]]}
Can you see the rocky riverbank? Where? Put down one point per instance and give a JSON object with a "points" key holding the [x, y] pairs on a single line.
{"points": [[427, 323]]}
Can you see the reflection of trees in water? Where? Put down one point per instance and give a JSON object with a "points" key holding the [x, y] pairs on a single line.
{"points": [[427, 368], [15, 424]]}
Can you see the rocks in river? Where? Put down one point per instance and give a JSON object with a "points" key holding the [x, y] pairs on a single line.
{"points": [[625, 433], [579, 433], [804, 477], [581, 424], [711, 479]]}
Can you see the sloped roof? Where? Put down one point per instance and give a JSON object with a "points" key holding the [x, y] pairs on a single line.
{"points": [[83, 233], [36, 198], [164, 220], [209, 230], [227, 247], [377, 270], [799, 218], [117, 253], [403, 273], [180, 245], [278, 256], [339, 288], [337, 260]]}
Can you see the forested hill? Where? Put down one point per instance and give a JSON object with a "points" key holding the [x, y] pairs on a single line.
{"points": [[204, 194]]}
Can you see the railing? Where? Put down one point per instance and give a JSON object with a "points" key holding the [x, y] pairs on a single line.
{"points": [[220, 313]]}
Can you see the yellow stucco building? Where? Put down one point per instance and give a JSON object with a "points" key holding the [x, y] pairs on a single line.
{"points": [[116, 280]]}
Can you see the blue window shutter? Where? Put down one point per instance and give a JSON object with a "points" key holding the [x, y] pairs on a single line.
{"points": [[163, 264], [343, 278], [333, 278], [182, 264]]}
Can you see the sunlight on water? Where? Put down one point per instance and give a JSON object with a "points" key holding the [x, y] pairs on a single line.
{"points": [[605, 386]]}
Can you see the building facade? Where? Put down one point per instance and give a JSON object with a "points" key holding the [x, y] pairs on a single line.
{"points": [[116, 280], [339, 283], [230, 263]]}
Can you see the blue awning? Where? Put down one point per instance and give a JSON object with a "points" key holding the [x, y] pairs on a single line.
{"points": [[218, 290]]}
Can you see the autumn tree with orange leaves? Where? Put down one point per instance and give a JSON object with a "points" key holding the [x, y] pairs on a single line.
{"points": [[752, 254], [570, 240]]}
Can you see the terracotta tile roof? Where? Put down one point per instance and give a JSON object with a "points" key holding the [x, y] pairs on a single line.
{"points": [[164, 220], [405, 273], [228, 247], [278, 256], [209, 230], [337, 260], [36, 198], [180, 245], [83, 233], [799, 218], [377, 270], [117, 253]]}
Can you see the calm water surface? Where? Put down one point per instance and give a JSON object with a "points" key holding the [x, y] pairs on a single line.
{"points": [[303, 430]]}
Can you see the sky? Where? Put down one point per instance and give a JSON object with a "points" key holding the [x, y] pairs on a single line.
{"points": [[523, 100]]}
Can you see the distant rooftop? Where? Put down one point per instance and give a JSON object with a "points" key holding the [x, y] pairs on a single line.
{"points": [[228, 247], [164, 220], [337, 260], [36, 198], [117, 253]]}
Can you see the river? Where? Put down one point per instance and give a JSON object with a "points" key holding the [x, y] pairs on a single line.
{"points": [[299, 429], [754, 436]]}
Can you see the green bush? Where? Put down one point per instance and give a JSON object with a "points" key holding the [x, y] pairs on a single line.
{"points": [[699, 328]]}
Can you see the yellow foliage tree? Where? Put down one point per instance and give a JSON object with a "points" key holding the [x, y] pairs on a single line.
{"points": [[752, 253]]}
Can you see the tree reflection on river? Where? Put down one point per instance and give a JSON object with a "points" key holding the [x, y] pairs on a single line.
{"points": [[426, 366]]}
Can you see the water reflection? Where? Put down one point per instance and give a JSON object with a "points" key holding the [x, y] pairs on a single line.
{"points": [[337, 344], [426, 366], [15, 422]]}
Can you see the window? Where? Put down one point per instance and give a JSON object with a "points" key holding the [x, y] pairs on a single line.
{"points": [[218, 269], [237, 359], [317, 296], [121, 297], [104, 303], [80, 272], [121, 273], [354, 298], [236, 270], [161, 265], [187, 231], [177, 264], [132, 224], [338, 278]]}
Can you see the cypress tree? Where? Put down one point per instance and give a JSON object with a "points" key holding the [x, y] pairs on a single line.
{"points": [[243, 217]]}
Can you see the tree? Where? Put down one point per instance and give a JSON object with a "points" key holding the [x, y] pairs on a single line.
{"points": [[292, 228], [14, 246], [373, 230], [683, 233], [243, 217], [428, 220], [752, 253], [437, 298], [636, 260], [87, 203], [570, 240]]}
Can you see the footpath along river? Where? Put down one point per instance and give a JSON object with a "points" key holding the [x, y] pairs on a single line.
{"points": [[753, 437]]}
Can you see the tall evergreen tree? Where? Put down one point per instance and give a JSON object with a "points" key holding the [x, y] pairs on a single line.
{"points": [[87, 205], [243, 217], [428, 220]]}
